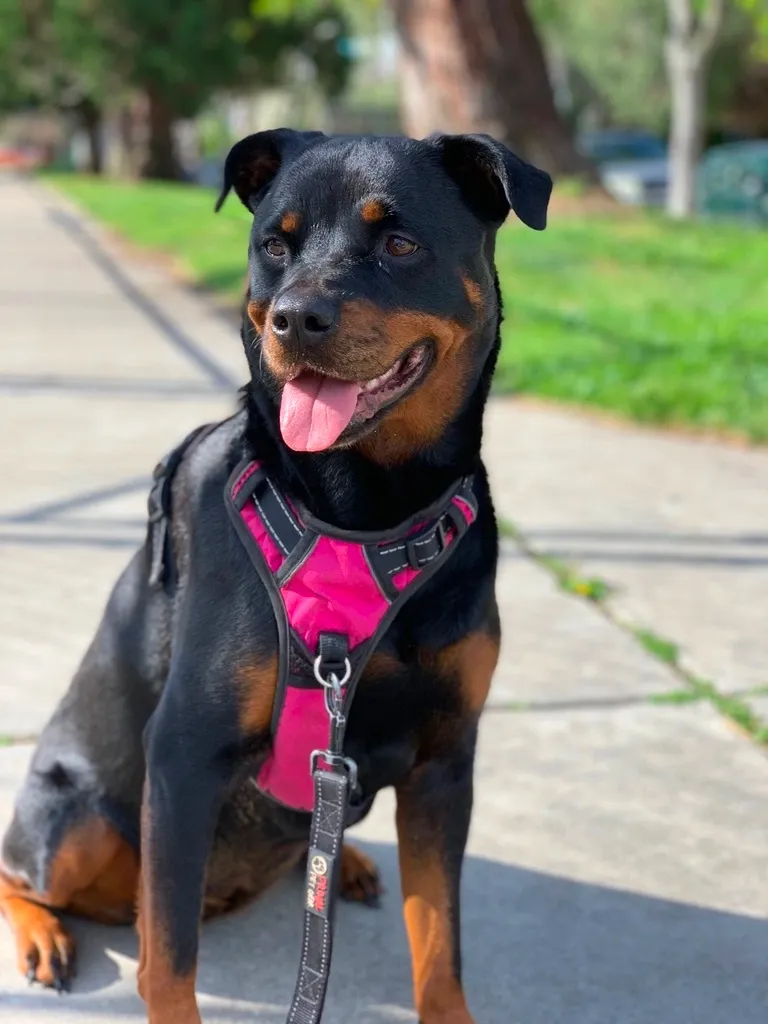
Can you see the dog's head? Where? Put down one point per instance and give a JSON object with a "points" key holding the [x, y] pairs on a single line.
{"points": [[372, 285]]}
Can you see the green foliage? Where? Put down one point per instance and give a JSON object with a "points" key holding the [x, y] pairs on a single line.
{"points": [[572, 582], [658, 646], [662, 323], [676, 697], [617, 50], [185, 51], [757, 11], [182, 50]]}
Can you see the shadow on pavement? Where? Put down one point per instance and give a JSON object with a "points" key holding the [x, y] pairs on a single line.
{"points": [[538, 950]]}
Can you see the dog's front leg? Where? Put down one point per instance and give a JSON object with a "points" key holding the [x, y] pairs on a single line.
{"points": [[186, 774], [434, 806]]}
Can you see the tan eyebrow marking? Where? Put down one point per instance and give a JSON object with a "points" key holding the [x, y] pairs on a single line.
{"points": [[373, 210], [290, 221]]}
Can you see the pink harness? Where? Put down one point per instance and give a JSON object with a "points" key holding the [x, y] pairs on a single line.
{"points": [[334, 594]]}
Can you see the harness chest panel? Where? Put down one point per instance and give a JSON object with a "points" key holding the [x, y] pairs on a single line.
{"points": [[334, 594]]}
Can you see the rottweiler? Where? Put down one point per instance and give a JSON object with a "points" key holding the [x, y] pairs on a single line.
{"points": [[371, 331]]}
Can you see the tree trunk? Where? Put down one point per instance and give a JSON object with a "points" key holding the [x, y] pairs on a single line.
{"points": [[687, 76], [162, 159], [478, 65], [93, 123], [689, 47]]}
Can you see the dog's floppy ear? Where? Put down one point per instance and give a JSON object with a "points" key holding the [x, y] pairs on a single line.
{"points": [[253, 162], [493, 180]]}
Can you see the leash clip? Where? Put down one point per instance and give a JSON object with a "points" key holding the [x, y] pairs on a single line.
{"points": [[334, 705], [335, 762]]}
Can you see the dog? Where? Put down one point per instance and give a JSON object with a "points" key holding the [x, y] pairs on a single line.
{"points": [[371, 332]]}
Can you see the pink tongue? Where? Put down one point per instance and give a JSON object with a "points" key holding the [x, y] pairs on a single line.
{"points": [[315, 410]]}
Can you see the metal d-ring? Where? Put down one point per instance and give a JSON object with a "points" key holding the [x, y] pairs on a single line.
{"points": [[333, 680]]}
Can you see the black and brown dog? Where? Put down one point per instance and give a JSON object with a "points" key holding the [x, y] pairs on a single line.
{"points": [[369, 258]]}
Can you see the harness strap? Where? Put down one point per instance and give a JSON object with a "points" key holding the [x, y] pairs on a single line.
{"points": [[323, 860], [419, 550], [159, 506], [277, 515]]}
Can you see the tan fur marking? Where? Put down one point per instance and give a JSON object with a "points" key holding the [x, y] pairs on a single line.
{"points": [[373, 210], [256, 685], [382, 666], [290, 222], [40, 936], [94, 872], [426, 905], [473, 291], [257, 311], [472, 661]]}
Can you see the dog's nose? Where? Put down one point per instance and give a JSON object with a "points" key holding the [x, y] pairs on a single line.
{"points": [[299, 319]]}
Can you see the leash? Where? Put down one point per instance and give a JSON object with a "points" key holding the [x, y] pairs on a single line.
{"points": [[334, 778]]}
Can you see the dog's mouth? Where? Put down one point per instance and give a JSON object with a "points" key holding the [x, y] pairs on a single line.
{"points": [[315, 409]]}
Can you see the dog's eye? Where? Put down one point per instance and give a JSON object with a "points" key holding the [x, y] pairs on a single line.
{"points": [[396, 245], [275, 247]]}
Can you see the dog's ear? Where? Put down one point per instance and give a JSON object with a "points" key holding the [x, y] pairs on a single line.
{"points": [[253, 162], [493, 180]]}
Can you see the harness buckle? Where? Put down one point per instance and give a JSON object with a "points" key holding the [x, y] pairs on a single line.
{"points": [[442, 534], [441, 538]]}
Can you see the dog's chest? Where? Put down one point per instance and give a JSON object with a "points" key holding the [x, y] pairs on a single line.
{"points": [[391, 719]]}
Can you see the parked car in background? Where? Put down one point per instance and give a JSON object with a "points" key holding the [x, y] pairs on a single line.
{"points": [[732, 181], [633, 165]]}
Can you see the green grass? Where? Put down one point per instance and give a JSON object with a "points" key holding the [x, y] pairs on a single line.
{"points": [[658, 646], [676, 697], [659, 322], [572, 582]]}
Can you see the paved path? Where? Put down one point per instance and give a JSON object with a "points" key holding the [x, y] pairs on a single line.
{"points": [[678, 526], [617, 860]]}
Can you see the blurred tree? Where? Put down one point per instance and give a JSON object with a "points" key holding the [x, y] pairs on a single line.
{"points": [[179, 53], [616, 54], [692, 33], [614, 60], [49, 58], [478, 65], [78, 54]]}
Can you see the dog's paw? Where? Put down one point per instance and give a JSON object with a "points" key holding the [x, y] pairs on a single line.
{"points": [[360, 882], [45, 950]]}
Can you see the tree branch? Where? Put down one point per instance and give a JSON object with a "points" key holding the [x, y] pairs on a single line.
{"points": [[681, 19], [709, 28]]}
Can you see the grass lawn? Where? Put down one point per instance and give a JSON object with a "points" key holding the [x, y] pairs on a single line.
{"points": [[659, 322]]}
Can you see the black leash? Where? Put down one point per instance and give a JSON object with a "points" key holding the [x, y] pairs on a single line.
{"points": [[334, 777]]}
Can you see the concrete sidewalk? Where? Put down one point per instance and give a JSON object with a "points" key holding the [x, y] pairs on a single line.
{"points": [[616, 869]]}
